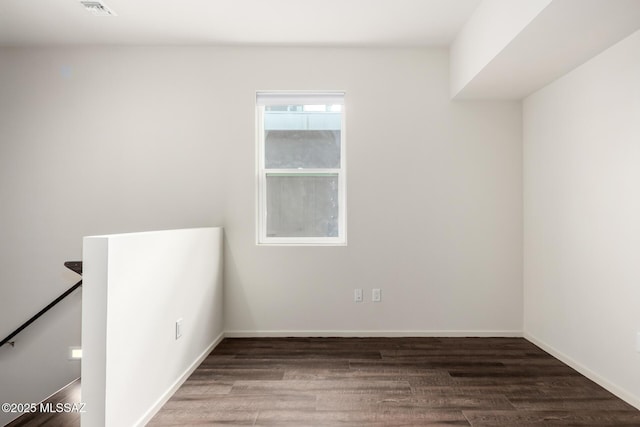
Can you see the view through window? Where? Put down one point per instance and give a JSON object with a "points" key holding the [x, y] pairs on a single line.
{"points": [[301, 177]]}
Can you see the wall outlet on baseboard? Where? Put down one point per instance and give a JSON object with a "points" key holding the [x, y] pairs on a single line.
{"points": [[178, 328], [357, 295], [376, 295]]}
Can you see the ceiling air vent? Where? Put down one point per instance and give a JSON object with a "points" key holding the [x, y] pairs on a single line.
{"points": [[97, 8]]}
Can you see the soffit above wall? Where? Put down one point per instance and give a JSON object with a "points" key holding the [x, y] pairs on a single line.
{"points": [[562, 36]]}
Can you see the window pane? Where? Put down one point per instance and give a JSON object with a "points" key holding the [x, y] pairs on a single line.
{"points": [[302, 205], [302, 136], [293, 149]]}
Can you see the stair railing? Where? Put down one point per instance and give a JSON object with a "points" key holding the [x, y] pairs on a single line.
{"points": [[72, 265]]}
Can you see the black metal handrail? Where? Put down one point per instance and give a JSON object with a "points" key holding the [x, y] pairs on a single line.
{"points": [[72, 265]]}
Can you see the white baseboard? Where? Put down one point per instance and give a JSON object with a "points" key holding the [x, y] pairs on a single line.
{"points": [[366, 334], [593, 376], [178, 382]]}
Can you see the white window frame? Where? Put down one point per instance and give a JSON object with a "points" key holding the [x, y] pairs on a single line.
{"points": [[298, 98]]}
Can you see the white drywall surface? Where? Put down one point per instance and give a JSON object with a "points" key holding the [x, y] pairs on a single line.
{"points": [[492, 26], [581, 211], [434, 202], [136, 287]]}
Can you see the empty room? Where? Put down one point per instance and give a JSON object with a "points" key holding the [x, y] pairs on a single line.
{"points": [[319, 213]]}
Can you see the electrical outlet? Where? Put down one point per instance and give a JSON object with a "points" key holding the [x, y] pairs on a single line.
{"points": [[376, 295], [357, 295], [178, 328]]}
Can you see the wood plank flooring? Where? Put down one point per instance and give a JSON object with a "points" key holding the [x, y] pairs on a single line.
{"points": [[389, 382], [69, 394], [378, 382]]}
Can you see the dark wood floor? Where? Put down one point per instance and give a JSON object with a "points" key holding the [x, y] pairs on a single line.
{"points": [[69, 394], [389, 382], [379, 382]]}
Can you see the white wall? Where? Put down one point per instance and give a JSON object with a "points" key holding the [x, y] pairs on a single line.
{"points": [[434, 203], [92, 143], [581, 211], [137, 286], [434, 186]]}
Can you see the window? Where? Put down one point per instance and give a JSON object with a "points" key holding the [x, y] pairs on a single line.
{"points": [[301, 168]]}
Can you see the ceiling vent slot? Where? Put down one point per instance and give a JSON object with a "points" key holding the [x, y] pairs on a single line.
{"points": [[97, 8]]}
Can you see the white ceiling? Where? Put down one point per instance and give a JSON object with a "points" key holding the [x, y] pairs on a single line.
{"points": [[564, 35], [234, 22]]}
